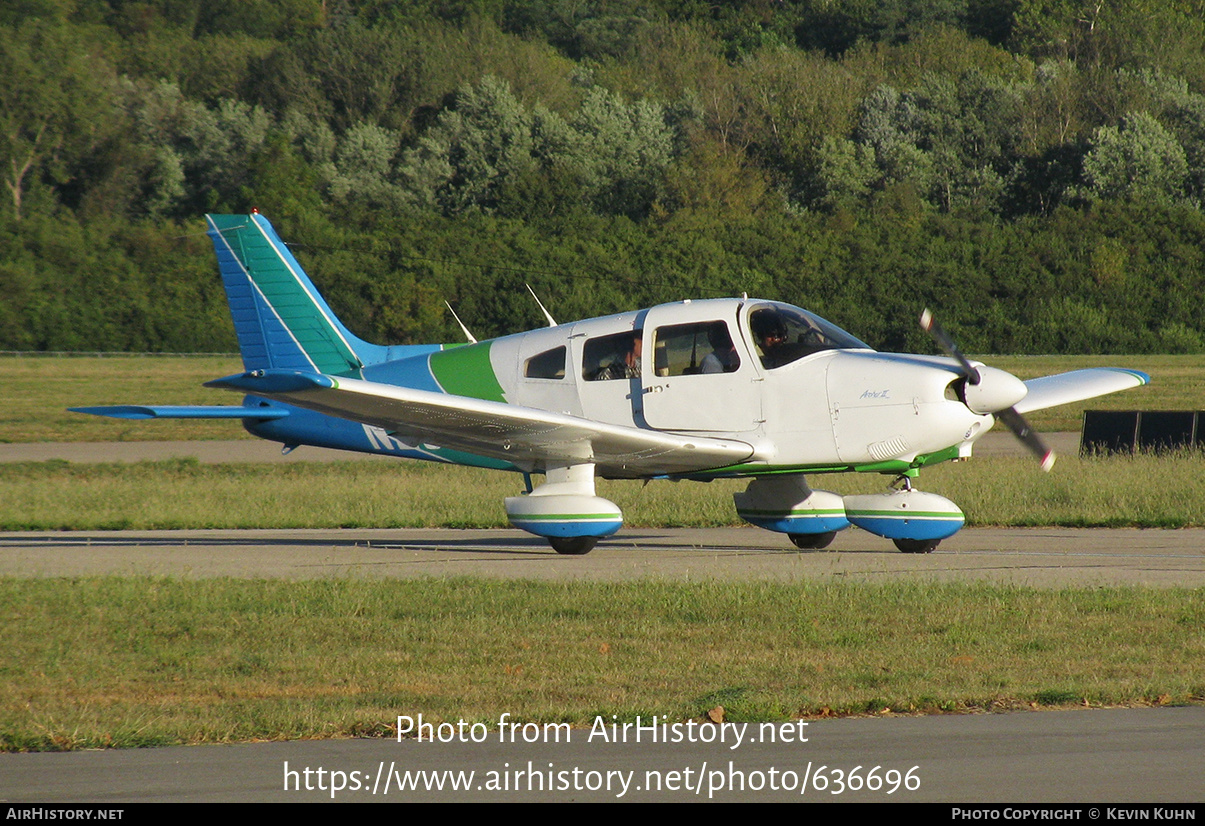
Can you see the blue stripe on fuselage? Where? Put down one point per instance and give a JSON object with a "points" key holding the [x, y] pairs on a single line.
{"points": [[308, 427], [408, 372]]}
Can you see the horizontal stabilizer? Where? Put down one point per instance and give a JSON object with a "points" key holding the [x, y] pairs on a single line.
{"points": [[263, 382], [136, 411], [1065, 388]]}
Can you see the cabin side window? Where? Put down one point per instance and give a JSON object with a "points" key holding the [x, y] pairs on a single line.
{"points": [[547, 365], [612, 357], [694, 349]]}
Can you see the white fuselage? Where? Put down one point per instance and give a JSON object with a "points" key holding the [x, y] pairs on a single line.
{"points": [[826, 406]]}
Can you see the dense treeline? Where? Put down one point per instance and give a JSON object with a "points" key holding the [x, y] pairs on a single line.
{"points": [[1033, 169]]}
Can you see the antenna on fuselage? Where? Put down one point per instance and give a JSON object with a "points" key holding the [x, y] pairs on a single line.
{"points": [[547, 315], [463, 328]]}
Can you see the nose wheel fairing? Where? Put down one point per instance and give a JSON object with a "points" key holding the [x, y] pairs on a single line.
{"points": [[910, 515]]}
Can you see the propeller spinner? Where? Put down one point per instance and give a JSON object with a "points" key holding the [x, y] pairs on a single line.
{"points": [[994, 391]]}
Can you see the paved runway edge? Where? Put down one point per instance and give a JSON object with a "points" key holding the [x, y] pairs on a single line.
{"points": [[1038, 557]]}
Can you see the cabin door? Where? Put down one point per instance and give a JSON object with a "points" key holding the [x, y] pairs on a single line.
{"points": [[697, 372]]}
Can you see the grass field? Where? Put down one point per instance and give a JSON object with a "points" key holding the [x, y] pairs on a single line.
{"points": [[1140, 491], [38, 390], [126, 662]]}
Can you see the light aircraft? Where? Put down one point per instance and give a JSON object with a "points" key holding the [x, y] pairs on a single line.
{"points": [[699, 390]]}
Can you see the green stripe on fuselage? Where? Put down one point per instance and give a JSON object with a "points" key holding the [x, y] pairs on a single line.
{"points": [[901, 514], [467, 371], [888, 466]]}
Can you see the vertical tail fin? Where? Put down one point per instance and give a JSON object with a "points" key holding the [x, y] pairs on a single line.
{"points": [[280, 319]]}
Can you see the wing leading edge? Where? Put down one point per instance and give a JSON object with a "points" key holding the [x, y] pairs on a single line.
{"points": [[524, 436]]}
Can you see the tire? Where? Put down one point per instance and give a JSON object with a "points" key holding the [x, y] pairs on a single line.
{"points": [[916, 546], [812, 541], [573, 545]]}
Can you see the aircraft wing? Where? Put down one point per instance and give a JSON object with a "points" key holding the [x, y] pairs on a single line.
{"points": [[1065, 388], [522, 435]]}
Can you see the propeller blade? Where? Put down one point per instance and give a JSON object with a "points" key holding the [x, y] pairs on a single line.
{"points": [[1009, 415], [1027, 436], [930, 325]]}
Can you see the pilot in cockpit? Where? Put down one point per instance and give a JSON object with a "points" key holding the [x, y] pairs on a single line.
{"points": [[770, 333]]}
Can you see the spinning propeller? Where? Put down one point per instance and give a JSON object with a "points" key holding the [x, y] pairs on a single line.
{"points": [[988, 390]]}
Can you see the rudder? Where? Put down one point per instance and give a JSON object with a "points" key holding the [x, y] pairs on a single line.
{"points": [[279, 317]]}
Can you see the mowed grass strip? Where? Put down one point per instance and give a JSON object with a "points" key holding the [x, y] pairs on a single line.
{"points": [[38, 390], [1139, 491], [125, 662]]}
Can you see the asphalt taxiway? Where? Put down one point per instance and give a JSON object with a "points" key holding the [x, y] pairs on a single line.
{"points": [[1039, 557]]}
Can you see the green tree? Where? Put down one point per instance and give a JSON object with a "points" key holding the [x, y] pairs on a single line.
{"points": [[848, 172], [954, 140], [1183, 112], [793, 103], [836, 27], [472, 151], [477, 155], [619, 151], [363, 167], [55, 101], [1138, 160]]}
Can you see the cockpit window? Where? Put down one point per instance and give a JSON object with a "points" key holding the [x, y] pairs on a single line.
{"points": [[785, 334]]}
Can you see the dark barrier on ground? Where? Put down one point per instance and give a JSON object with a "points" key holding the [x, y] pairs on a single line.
{"points": [[1127, 431]]}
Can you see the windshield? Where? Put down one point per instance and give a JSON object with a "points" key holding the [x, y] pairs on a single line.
{"points": [[783, 334]]}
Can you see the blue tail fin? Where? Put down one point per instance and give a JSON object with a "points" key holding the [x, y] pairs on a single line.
{"points": [[280, 319]]}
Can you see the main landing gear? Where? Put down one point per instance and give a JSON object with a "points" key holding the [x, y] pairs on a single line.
{"points": [[565, 511]]}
